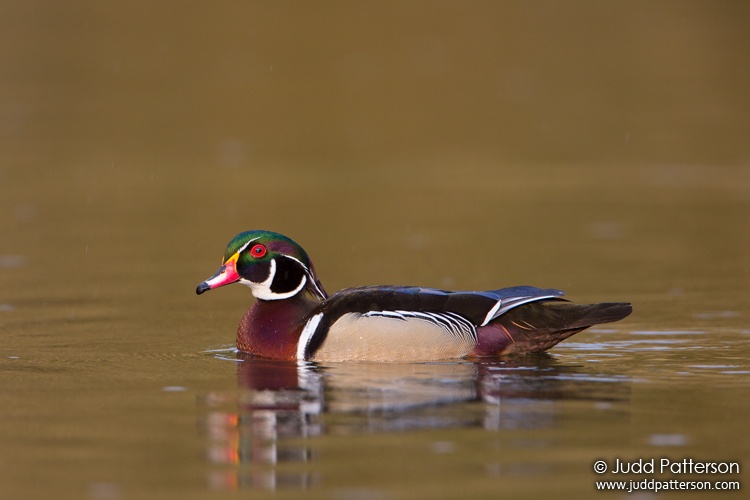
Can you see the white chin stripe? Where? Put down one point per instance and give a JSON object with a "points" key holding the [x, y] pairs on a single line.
{"points": [[263, 290]]}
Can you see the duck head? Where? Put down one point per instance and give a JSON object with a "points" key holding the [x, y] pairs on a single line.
{"points": [[272, 265]]}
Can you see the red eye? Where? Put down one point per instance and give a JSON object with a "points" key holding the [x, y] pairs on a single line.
{"points": [[258, 251]]}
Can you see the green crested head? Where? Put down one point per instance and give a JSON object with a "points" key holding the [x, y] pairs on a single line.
{"points": [[270, 241], [271, 264]]}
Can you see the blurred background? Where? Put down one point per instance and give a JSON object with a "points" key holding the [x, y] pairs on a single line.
{"points": [[471, 144], [598, 147], [591, 146], [347, 85]]}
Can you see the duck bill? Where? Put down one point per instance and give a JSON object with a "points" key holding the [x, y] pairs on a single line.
{"points": [[226, 275]]}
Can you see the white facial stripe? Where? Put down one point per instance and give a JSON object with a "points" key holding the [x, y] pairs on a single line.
{"points": [[306, 335], [263, 290], [321, 294], [243, 247], [271, 274], [309, 276]]}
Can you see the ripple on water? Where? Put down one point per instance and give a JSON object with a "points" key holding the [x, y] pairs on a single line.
{"points": [[607, 348], [174, 388], [12, 261], [713, 367], [224, 353], [711, 315], [667, 332], [668, 440]]}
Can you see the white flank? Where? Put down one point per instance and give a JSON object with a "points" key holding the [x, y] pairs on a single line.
{"points": [[454, 324], [306, 335]]}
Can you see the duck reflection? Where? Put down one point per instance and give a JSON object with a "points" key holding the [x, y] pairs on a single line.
{"points": [[264, 431], [277, 400]]}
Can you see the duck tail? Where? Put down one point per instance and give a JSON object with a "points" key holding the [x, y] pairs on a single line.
{"points": [[537, 326]]}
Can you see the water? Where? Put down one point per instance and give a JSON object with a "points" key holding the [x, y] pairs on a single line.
{"points": [[133, 150]]}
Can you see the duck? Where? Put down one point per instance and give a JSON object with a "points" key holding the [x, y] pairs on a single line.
{"points": [[294, 318]]}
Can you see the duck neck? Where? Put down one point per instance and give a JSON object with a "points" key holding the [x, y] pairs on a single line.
{"points": [[271, 328]]}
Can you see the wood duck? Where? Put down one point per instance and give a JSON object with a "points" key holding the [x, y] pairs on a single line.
{"points": [[294, 318]]}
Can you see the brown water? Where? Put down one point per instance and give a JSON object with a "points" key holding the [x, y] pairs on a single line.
{"points": [[599, 149]]}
